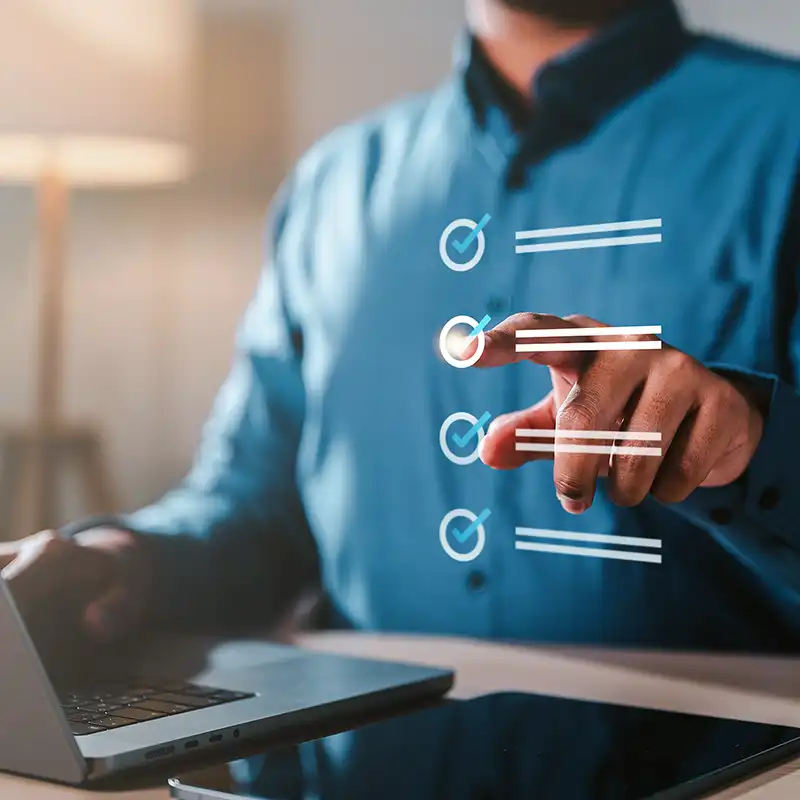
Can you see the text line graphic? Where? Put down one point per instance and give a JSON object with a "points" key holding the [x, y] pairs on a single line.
{"points": [[588, 449], [612, 449], [526, 346], [568, 333], [587, 347], [644, 436], [581, 237], [526, 541]]}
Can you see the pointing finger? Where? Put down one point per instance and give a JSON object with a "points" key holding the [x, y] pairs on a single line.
{"points": [[505, 345], [499, 448]]}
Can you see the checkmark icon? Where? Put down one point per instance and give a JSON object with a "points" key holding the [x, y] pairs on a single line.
{"points": [[463, 441], [475, 332], [462, 536], [462, 245]]}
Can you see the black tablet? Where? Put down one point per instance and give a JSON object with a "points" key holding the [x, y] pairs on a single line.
{"points": [[508, 747]]}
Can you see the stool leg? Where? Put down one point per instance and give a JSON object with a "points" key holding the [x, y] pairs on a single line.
{"points": [[46, 509], [30, 489], [36, 506], [10, 453], [23, 522], [97, 484]]}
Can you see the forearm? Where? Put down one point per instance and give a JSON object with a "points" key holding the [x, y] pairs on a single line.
{"points": [[216, 567], [204, 561], [756, 517]]}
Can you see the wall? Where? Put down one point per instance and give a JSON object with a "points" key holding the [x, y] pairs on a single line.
{"points": [[770, 23], [159, 278]]}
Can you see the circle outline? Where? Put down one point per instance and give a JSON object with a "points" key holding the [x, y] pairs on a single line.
{"points": [[460, 461], [445, 238], [452, 360], [462, 558]]}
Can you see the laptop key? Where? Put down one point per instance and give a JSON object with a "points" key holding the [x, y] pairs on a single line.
{"points": [[186, 700], [82, 717], [199, 691], [130, 699], [224, 696], [139, 714], [164, 708], [113, 722], [102, 695], [83, 729], [98, 708]]}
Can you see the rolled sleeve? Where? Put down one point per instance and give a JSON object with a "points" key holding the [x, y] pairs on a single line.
{"points": [[756, 517]]}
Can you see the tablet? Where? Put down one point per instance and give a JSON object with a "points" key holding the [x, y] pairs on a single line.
{"points": [[508, 747]]}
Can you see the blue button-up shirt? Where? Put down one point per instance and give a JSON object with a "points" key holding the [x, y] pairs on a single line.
{"points": [[323, 446]]}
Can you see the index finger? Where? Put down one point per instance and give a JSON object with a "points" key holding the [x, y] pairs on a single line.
{"points": [[505, 345]]}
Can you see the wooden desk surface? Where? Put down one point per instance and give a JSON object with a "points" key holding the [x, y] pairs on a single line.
{"points": [[762, 690]]}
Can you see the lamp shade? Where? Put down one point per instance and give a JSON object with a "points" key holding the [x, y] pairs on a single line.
{"points": [[99, 91]]}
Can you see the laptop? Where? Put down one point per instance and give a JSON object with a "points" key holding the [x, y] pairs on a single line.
{"points": [[80, 732]]}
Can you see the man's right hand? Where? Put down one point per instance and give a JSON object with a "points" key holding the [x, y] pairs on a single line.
{"points": [[98, 581]]}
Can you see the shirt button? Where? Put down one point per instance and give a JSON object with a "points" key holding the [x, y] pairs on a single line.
{"points": [[516, 177], [770, 498], [496, 305], [476, 581], [722, 516]]}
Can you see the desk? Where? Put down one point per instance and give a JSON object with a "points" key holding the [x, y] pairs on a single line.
{"points": [[762, 690]]}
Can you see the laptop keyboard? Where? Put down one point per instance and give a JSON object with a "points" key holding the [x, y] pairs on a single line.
{"points": [[119, 706]]}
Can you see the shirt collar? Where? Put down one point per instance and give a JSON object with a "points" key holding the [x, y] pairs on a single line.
{"points": [[589, 81]]}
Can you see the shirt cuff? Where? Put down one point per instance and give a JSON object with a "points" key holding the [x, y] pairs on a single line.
{"points": [[756, 516]]}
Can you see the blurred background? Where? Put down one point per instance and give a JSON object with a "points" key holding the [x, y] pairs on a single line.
{"points": [[158, 272]]}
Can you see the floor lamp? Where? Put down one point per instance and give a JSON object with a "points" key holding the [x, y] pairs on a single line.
{"points": [[92, 96]]}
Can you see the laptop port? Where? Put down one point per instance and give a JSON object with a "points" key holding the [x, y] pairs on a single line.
{"points": [[217, 737], [191, 745], [159, 752]]}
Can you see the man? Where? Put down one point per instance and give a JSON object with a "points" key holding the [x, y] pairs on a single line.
{"points": [[323, 445]]}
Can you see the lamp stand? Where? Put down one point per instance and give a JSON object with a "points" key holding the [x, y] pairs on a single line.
{"points": [[35, 456]]}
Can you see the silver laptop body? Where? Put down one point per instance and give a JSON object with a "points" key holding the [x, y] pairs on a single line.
{"points": [[289, 688]]}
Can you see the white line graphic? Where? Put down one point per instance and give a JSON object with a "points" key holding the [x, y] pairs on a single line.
{"points": [[588, 244], [588, 552], [588, 347], [617, 555], [576, 230], [574, 333], [588, 449], [643, 436], [595, 538]]}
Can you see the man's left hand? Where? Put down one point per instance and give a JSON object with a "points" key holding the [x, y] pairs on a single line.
{"points": [[710, 427]]}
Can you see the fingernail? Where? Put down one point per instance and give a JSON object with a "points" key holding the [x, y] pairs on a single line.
{"points": [[572, 506]]}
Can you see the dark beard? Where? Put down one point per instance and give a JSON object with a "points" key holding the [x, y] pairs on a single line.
{"points": [[577, 12]]}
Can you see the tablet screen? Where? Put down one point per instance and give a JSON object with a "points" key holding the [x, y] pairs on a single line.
{"points": [[513, 747]]}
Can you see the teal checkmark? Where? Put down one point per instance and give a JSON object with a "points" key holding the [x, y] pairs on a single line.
{"points": [[462, 245], [462, 536], [463, 441], [477, 330]]}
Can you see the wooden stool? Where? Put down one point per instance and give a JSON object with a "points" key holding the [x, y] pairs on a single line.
{"points": [[33, 460]]}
